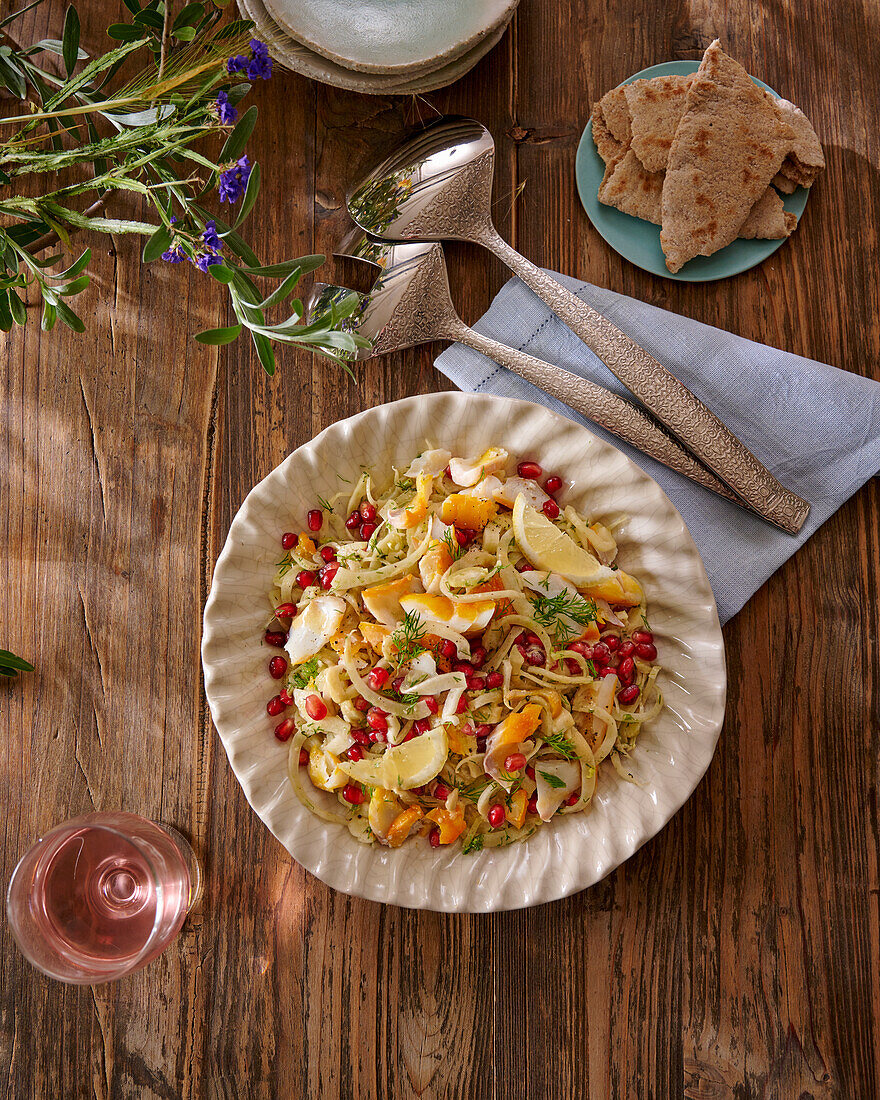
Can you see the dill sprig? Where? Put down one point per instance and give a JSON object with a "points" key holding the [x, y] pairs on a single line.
{"points": [[552, 611], [552, 780], [325, 504], [474, 789], [456, 550], [408, 637], [473, 844], [561, 745]]}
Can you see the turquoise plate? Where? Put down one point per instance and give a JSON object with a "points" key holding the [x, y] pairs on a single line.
{"points": [[639, 241]]}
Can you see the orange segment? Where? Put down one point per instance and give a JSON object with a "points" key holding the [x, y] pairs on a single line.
{"points": [[620, 590], [517, 727], [374, 634], [401, 826], [516, 811], [306, 546], [451, 823]]}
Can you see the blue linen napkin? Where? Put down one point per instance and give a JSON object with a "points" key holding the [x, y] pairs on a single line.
{"points": [[817, 428]]}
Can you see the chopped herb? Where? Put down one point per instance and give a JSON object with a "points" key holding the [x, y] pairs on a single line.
{"points": [[406, 484], [473, 790], [561, 745], [407, 638], [305, 673], [325, 504], [553, 780], [475, 844], [284, 566], [456, 550], [551, 611]]}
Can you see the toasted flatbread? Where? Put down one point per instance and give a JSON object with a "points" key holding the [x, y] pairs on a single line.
{"points": [[805, 159], [729, 145], [607, 145], [630, 188], [783, 183], [768, 220], [616, 115], [655, 110]]}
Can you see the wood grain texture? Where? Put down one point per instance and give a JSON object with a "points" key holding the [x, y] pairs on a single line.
{"points": [[735, 956]]}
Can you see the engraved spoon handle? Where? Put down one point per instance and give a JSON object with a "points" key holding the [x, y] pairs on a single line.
{"points": [[626, 420], [662, 393]]}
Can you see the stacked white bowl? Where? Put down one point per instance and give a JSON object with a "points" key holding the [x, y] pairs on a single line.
{"points": [[380, 47]]}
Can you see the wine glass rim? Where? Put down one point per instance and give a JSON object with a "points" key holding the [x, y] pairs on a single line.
{"points": [[95, 819]]}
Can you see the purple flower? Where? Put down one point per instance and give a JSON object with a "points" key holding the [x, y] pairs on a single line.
{"points": [[236, 64], [174, 255], [204, 261], [210, 237], [234, 180], [260, 66], [226, 113]]}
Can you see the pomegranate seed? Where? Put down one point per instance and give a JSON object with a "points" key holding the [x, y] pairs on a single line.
{"points": [[478, 657], [463, 705], [377, 719], [628, 695], [464, 535], [431, 703], [515, 762], [530, 470], [441, 791], [626, 649], [367, 530], [553, 484], [572, 667], [535, 655], [353, 794], [496, 816], [275, 706], [533, 639], [285, 697], [463, 666], [362, 704], [377, 678], [525, 567], [285, 611], [612, 641], [378, 736], [315, 519], [422, 725], [305, 578], [409, 736], [626, 670], [447, 649], [550, 509], [606, 670], [327, 573], [275, 638], [328, 553], [353, 521], [288, 540], [277, 667], [476, 683], [647, 651], [584, 648], [434, 838], [572, 798], [530, 772], [355, 753], [601, 653], [368, 511], [284, 729], [361, 736], [303, 757], [533, 804], [316, 709], [494, 680], [642, 637], [482, 731]]}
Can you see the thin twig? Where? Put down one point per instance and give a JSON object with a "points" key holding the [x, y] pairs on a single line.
{"points": [[166, 35], [52, 238]]}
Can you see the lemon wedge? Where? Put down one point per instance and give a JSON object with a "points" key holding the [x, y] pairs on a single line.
{"points": [[550, 549], [404, 766]]}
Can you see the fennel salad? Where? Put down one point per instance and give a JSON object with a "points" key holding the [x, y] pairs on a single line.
{"points": [[460, 654]]}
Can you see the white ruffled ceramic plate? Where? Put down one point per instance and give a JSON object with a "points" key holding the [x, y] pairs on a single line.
{"points": [[672, 753]]}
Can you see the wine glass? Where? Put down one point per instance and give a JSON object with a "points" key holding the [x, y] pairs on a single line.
{"points": [[100, 896]]}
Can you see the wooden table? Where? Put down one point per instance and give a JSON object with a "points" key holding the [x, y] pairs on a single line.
{"points": [[736, 955]]}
